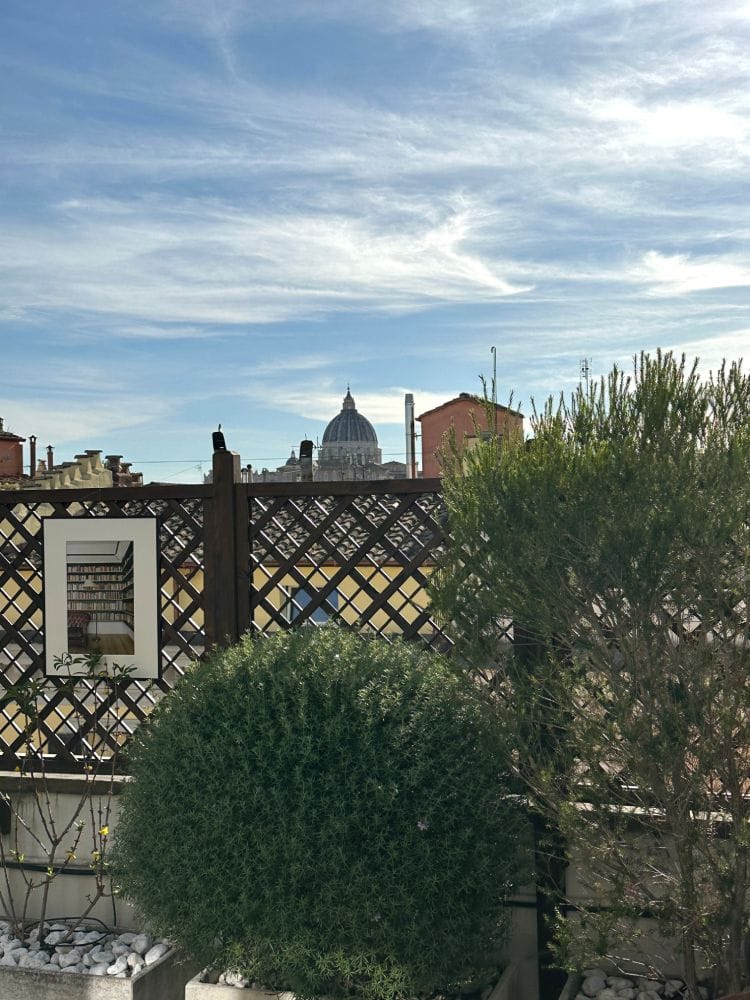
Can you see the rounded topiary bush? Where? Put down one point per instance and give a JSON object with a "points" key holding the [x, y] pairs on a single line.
{"points": [[325, 814]]}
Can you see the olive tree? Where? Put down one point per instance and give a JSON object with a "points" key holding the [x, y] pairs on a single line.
{"points": [[617, 539]]}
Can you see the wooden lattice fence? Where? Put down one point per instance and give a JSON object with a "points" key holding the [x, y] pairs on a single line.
{"points": [[336, 552], [84, 712], [231, 557]]}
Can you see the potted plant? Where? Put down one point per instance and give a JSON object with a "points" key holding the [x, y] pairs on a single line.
{"points": [[616, 540], [325, 815], [56, 826]]}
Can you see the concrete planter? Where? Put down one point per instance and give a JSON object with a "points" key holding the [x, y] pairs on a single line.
{"points": [[506, 988], [199, 989], [164, 980], [510, 985], [571, 987]]}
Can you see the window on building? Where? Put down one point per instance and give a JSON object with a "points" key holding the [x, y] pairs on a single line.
{"points": [[297, 599]]}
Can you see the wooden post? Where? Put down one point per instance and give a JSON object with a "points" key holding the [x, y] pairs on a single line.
{"points": [[550, 863], [221, 585]]}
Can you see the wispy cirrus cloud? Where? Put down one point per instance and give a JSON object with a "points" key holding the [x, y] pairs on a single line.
{"points": [[679, 274], [384, 407], [149, 331], [187, 262], [252, 200], [89, 423]]}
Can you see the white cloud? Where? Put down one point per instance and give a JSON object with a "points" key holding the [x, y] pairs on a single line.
{"points": [[515, 185], [386, 407], [147, 331], [81, 423], [729, 346], [678, 274], [674, 123], [191, 263]]}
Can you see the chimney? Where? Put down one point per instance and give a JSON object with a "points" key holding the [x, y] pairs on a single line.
{"points": [[50, 458], [1, 423], [113, 464], [306, 460], [32, 455]]}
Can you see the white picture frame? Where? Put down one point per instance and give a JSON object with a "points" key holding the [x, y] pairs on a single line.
{"points": [[83, 611]]}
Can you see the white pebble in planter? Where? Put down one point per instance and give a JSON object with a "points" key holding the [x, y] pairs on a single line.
{"points": [[598, 984], [89, 965]]}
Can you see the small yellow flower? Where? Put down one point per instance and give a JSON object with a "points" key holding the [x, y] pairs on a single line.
{"points": [[103, 831], [70, 856]]}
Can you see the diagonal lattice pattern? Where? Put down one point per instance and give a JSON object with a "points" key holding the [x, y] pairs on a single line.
{"points": [[361, 558], [72, 720], [361, 555]]}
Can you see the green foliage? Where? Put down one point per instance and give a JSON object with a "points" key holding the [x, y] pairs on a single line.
{"points": [[618, 539], [634, 493], [326, 814]]}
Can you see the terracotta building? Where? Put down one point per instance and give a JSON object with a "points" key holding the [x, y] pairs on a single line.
{"points": [[468, 416], [11, 454]]}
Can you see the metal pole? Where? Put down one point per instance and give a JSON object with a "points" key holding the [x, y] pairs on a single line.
{"points": [[411, 464], [494, 389]]}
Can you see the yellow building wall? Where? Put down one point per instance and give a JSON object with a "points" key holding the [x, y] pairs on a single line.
{"points": [[408, 600], [354, 604], [15, 599]]}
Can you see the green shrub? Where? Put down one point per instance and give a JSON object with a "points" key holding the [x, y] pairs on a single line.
{"points": [[325, 814]]}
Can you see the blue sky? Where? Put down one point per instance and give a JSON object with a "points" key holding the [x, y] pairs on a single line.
{"points": [[216, 210]]}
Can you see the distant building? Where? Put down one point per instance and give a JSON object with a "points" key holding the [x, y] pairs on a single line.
{"points": [[349, 450], [289, 472], [11, 454], [467, 416], [86, 471]]}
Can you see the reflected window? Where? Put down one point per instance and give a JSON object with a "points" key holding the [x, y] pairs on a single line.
{"points": [[100, 611], [298, 598]]}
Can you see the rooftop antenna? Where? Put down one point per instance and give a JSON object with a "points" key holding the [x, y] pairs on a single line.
{"points": [[586, 372]]}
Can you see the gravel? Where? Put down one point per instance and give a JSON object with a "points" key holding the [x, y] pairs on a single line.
{"points": [[84, 951]]}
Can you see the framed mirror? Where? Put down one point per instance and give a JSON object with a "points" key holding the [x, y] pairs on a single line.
{"points": [[100, 592]]}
